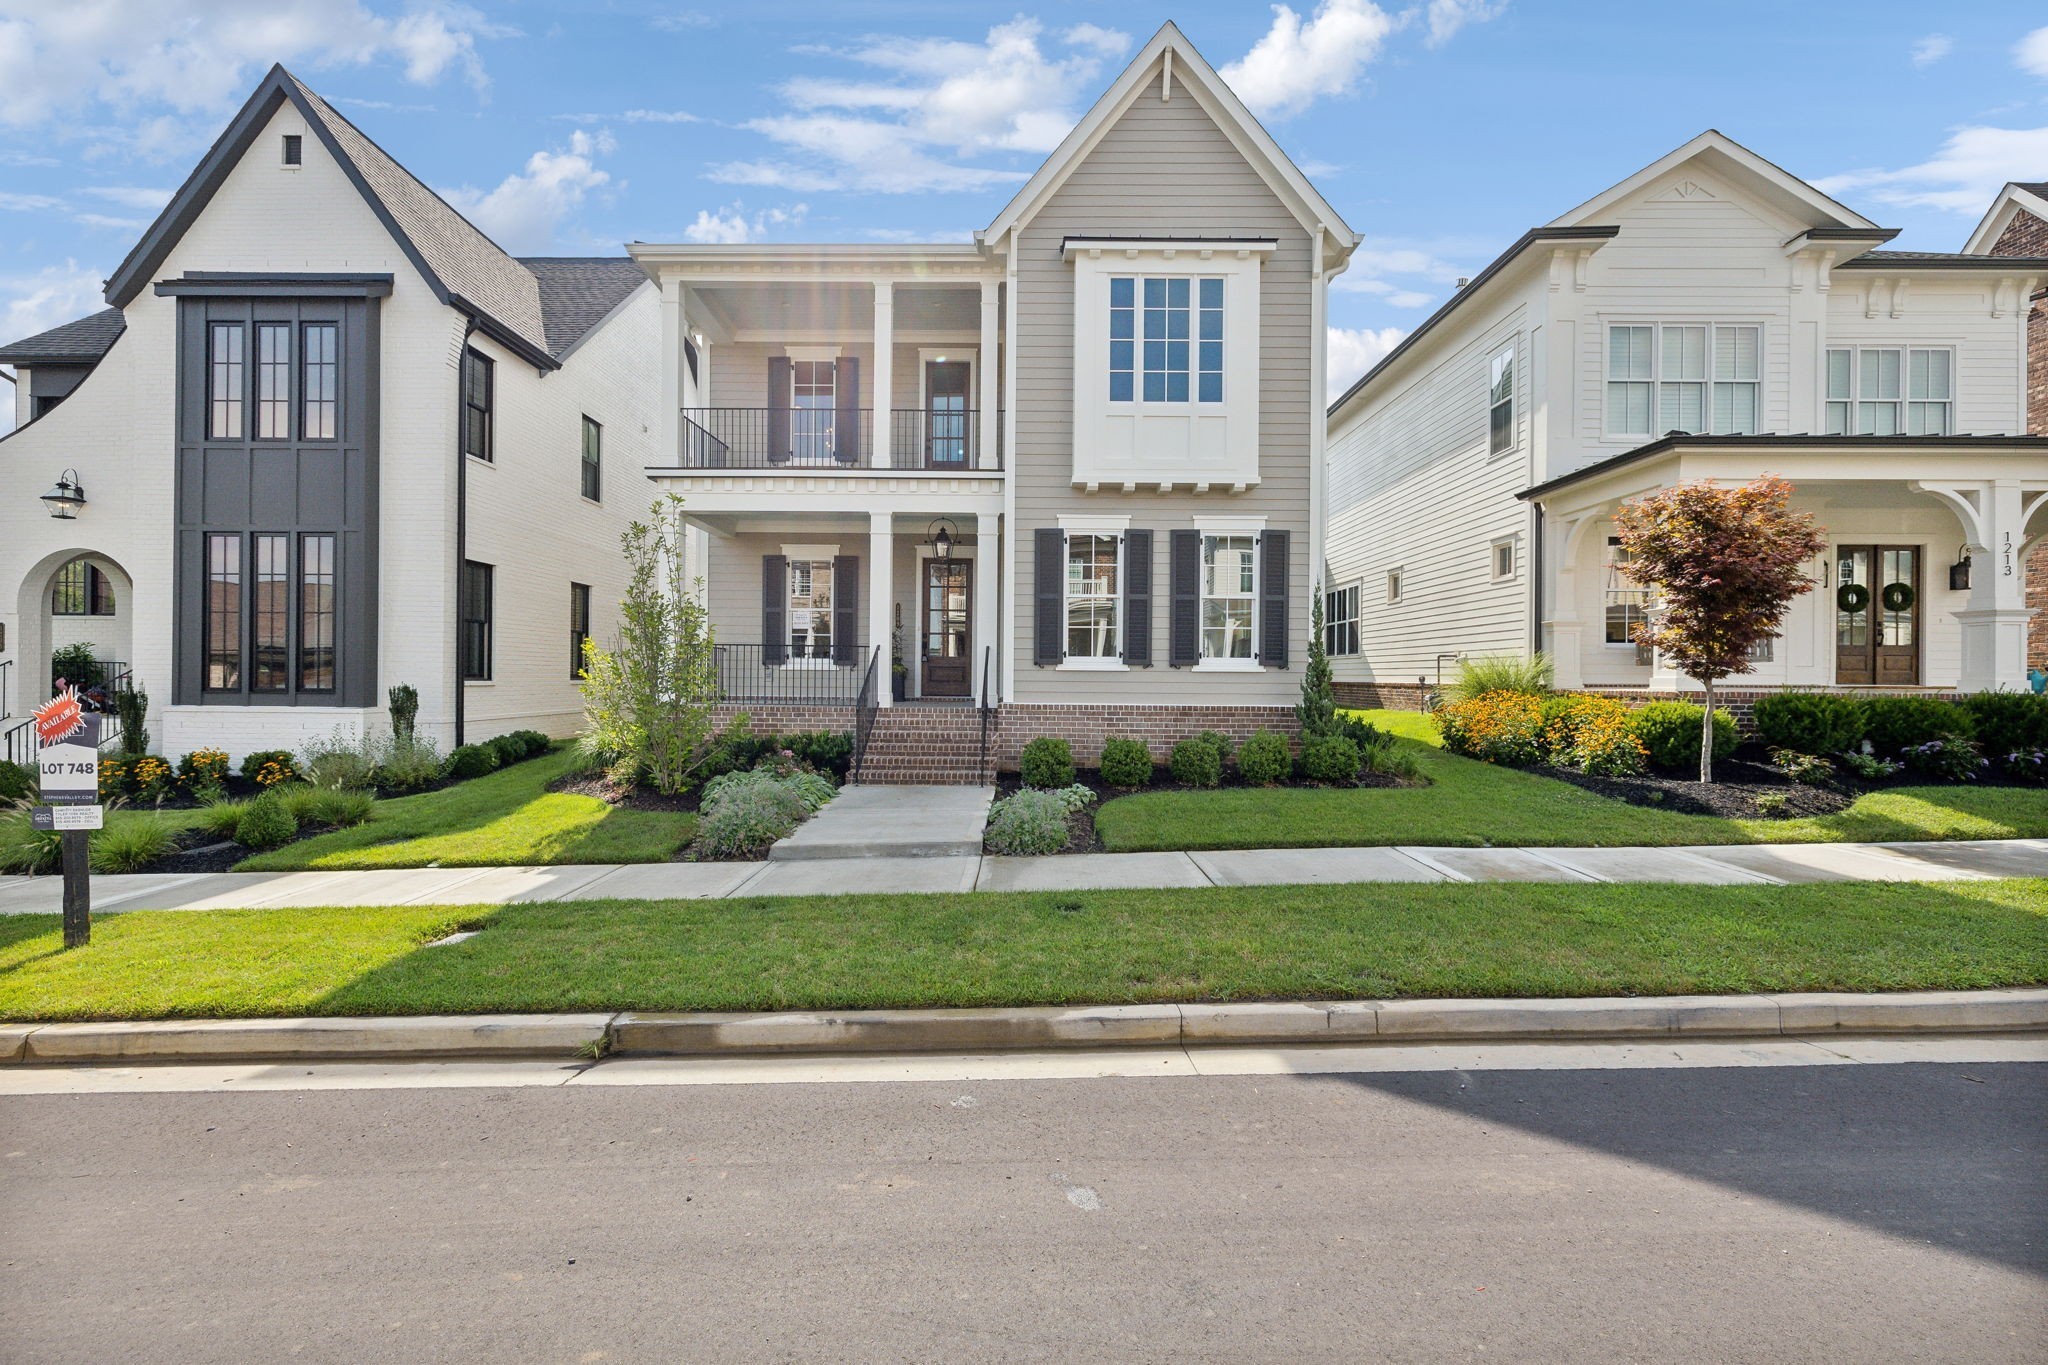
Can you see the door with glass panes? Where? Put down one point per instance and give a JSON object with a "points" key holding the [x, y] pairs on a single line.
{"points": [[1877, 615], [947, 632]]}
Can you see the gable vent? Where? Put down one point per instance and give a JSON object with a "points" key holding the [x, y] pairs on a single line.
{"points": [[294, 149]]}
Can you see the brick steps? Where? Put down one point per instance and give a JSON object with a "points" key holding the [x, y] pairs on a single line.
{"points": [[924, 746]]}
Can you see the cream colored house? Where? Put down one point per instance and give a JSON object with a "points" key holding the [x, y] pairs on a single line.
{"points": [[1068, 472], [1711, 316]]}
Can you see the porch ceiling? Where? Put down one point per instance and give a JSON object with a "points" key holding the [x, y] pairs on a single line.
{"points": [[766, 311]]}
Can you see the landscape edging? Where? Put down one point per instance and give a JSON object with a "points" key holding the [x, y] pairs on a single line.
{"points": [[588, 1036]]}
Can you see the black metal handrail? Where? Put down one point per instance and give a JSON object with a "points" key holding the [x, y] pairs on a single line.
{"points": [[783, 673], [6, 677], [864, 709], [987, 664], [939, 440], [108, 675], [18, 744], [825, 439]]}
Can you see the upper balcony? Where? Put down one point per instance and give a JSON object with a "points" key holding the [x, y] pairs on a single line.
{"points": [[943, 438]]}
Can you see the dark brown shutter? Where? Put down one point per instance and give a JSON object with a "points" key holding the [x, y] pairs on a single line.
{"points": [[1273, 599], [845, 608], [846, 430], [778, 410], [1138, 599], [1184, 583], [1049, 584], [774, 609]]}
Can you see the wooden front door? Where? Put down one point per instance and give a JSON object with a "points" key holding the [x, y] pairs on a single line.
{"points": [[1878, 644], [947, 631]]}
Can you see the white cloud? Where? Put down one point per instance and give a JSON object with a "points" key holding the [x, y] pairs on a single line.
{"points": [[732, 225], [1971, 167], [524, 212], [1392, 293], [1931, 49], [682, 21], [35, 303], [1446, 17], [634, 116], [130, 196], [199, 56], [1351, 351], [937, 105], [2030, 54], [28, 203], [1296, 63]]}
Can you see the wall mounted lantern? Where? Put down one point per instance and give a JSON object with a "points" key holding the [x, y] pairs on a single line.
{"points": [[67, 497], [1959, 573]]}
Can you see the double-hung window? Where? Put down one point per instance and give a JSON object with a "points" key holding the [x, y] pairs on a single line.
{"points": [[1890, 391], [593, 459], [1165, 339], [1230, 585], [1697, 378], [477, 384], [810, 609], [1340, 620], [1627, 602], [1094, 596], [1500, 402]]}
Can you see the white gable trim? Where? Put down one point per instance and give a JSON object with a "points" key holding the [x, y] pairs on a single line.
{"points": [[1191, 75], [2007, 206], [1830, 212]]}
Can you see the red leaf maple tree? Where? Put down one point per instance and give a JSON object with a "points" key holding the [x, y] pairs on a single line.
{"points": [[1725, 564]]}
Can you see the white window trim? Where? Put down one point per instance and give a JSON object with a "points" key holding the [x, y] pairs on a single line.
{"points": [[963, 355], [1608, 574], [1357, 585], [1905, 349], [1656, 380], [1255, 527], [812, 553], [1512, 350], [1513, 544], [1396, 585], [831, 353], [1071, 526]]}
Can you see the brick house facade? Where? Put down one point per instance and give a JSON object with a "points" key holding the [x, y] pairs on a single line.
{"points": [[2027, 235]]}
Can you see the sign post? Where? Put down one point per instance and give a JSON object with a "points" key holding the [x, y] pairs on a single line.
{"points": [[68, 760]]}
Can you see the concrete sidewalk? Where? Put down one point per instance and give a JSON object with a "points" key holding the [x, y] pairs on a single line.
{"points": [[1733, 864]]}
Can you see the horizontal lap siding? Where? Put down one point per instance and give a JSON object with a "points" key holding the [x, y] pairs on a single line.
{"points": [[1164, 169]]}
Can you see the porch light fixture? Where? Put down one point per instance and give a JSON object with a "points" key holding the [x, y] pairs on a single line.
{"points": [[942, 542], [67, 497], [1959, 573]]}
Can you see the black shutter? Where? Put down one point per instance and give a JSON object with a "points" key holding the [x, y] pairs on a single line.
{"points": [[1184, 582], [846, 430], [1049, 584], [774, 609], [1273, 599], [845, 607], [1138, 599], [778, 410]]}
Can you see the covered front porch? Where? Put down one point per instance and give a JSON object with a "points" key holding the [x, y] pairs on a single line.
{"points": [[1922, 585]]}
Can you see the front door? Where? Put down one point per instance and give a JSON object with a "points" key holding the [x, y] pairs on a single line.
{"points": [[948, 637], [945, 416], [1877, 630]]}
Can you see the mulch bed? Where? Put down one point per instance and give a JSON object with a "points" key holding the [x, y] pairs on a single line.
{"points": [[200, 851], [602, 788], [1731, 795]]}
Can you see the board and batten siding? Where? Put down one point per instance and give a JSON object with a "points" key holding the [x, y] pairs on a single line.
{"points": [[1163, 169]]}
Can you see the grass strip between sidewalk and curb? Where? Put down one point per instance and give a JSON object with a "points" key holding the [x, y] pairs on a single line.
{"points": [[1383, 941]]}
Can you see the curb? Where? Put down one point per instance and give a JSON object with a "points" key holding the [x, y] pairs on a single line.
{"points": [[586, 1036]]}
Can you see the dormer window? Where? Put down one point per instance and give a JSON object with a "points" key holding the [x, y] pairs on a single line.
{"points": [[294, 149]]}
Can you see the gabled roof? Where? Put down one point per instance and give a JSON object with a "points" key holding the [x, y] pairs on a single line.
{"points": [[2019, 196], [460, 264], [1724, 154], [1190, 72], [82, 342], [577, 293]]}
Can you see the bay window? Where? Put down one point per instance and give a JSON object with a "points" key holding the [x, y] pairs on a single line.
{"points": [[1696, 378], [1890, 391]]}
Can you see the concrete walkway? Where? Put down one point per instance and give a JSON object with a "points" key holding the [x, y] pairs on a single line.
{"points": [[873, 821], [1733, 864]]}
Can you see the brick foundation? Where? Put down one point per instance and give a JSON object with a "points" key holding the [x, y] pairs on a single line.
{"points": [[1161, 727], [780, 718], [1379, 696]]}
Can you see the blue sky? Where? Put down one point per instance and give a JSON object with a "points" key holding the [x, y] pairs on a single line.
{"points": [[1441, 129]]}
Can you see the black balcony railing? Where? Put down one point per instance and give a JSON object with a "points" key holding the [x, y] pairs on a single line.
{"points": [[751, 674], [825, 439]]}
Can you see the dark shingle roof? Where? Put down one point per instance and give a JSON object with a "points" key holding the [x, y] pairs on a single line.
{"points": [[81, 342], [2034, 187], [579, 292], [1961, 260]]}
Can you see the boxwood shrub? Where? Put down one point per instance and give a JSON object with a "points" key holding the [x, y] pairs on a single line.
{"points": [[1197, 762], [1893, 725], [1670, 732], [1810, 722], [472, 760], [1126, 763], [1330, 759], [2009, 722], [1047, 762], [1263, 759]]}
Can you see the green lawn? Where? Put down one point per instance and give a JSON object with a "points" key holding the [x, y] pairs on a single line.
{"points": [[1472, 804], [507, 818], [1320, 942]]}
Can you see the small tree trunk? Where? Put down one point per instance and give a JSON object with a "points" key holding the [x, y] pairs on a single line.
{"points": [[1707, 735]]}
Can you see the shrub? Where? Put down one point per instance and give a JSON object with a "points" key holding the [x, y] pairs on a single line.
{"points": [[1196, 763], [1047, 762], [1809, 722], [130, 842], [1495, 727], [219, 818], [1034, 820], [1394, 762], [532, 741], [471, 760], [1670, 732], [268, 767], [266, 823], [17, 782], [1370, 739], [744, 813], [1501, 673], [826, 750], [1330, 759], [76, 666], [1947, 759], [1870, 767], [2006, 721], [1126, 763], [131, 704], [1771, 805], [113, 777], [151, 779], [1218, 741], [406, 764], [202, 769], [23, 847], [2025, 765], [337, 806], [1808, 770], [809, 789], [1892, 725], [404, 700], [340, 760], [510, 749], [1264, 759], [1592, 734]]}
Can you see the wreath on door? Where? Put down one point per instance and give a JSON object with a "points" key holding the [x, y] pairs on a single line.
{"points": [[1852, 597], [1897, 597]]}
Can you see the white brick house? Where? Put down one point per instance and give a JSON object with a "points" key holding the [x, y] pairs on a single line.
{"points": [[282, 480], [1710, 316]]}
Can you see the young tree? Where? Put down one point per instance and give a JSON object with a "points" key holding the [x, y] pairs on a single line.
{"points": [[1317, 710], [1725, 565], [647, 702]]}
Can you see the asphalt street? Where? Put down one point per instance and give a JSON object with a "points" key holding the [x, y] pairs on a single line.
{"points": [[1813, 1212]]}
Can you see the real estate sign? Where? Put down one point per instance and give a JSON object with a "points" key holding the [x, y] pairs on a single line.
{"points": [[70, 763]]}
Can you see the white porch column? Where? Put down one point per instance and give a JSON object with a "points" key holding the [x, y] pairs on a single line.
{"points": [[673, 329], [988, 570], [1995, 623], [1562, 626], [881, 590], [989, 363], [883, 400]]}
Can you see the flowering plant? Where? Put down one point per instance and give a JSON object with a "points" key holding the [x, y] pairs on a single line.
{"points": [[150, 778], [1494, 727], [1947, 759]]}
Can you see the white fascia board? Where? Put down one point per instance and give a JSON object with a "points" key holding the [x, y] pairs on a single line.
{"points": [[2007, 206], [1715, 142]]}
